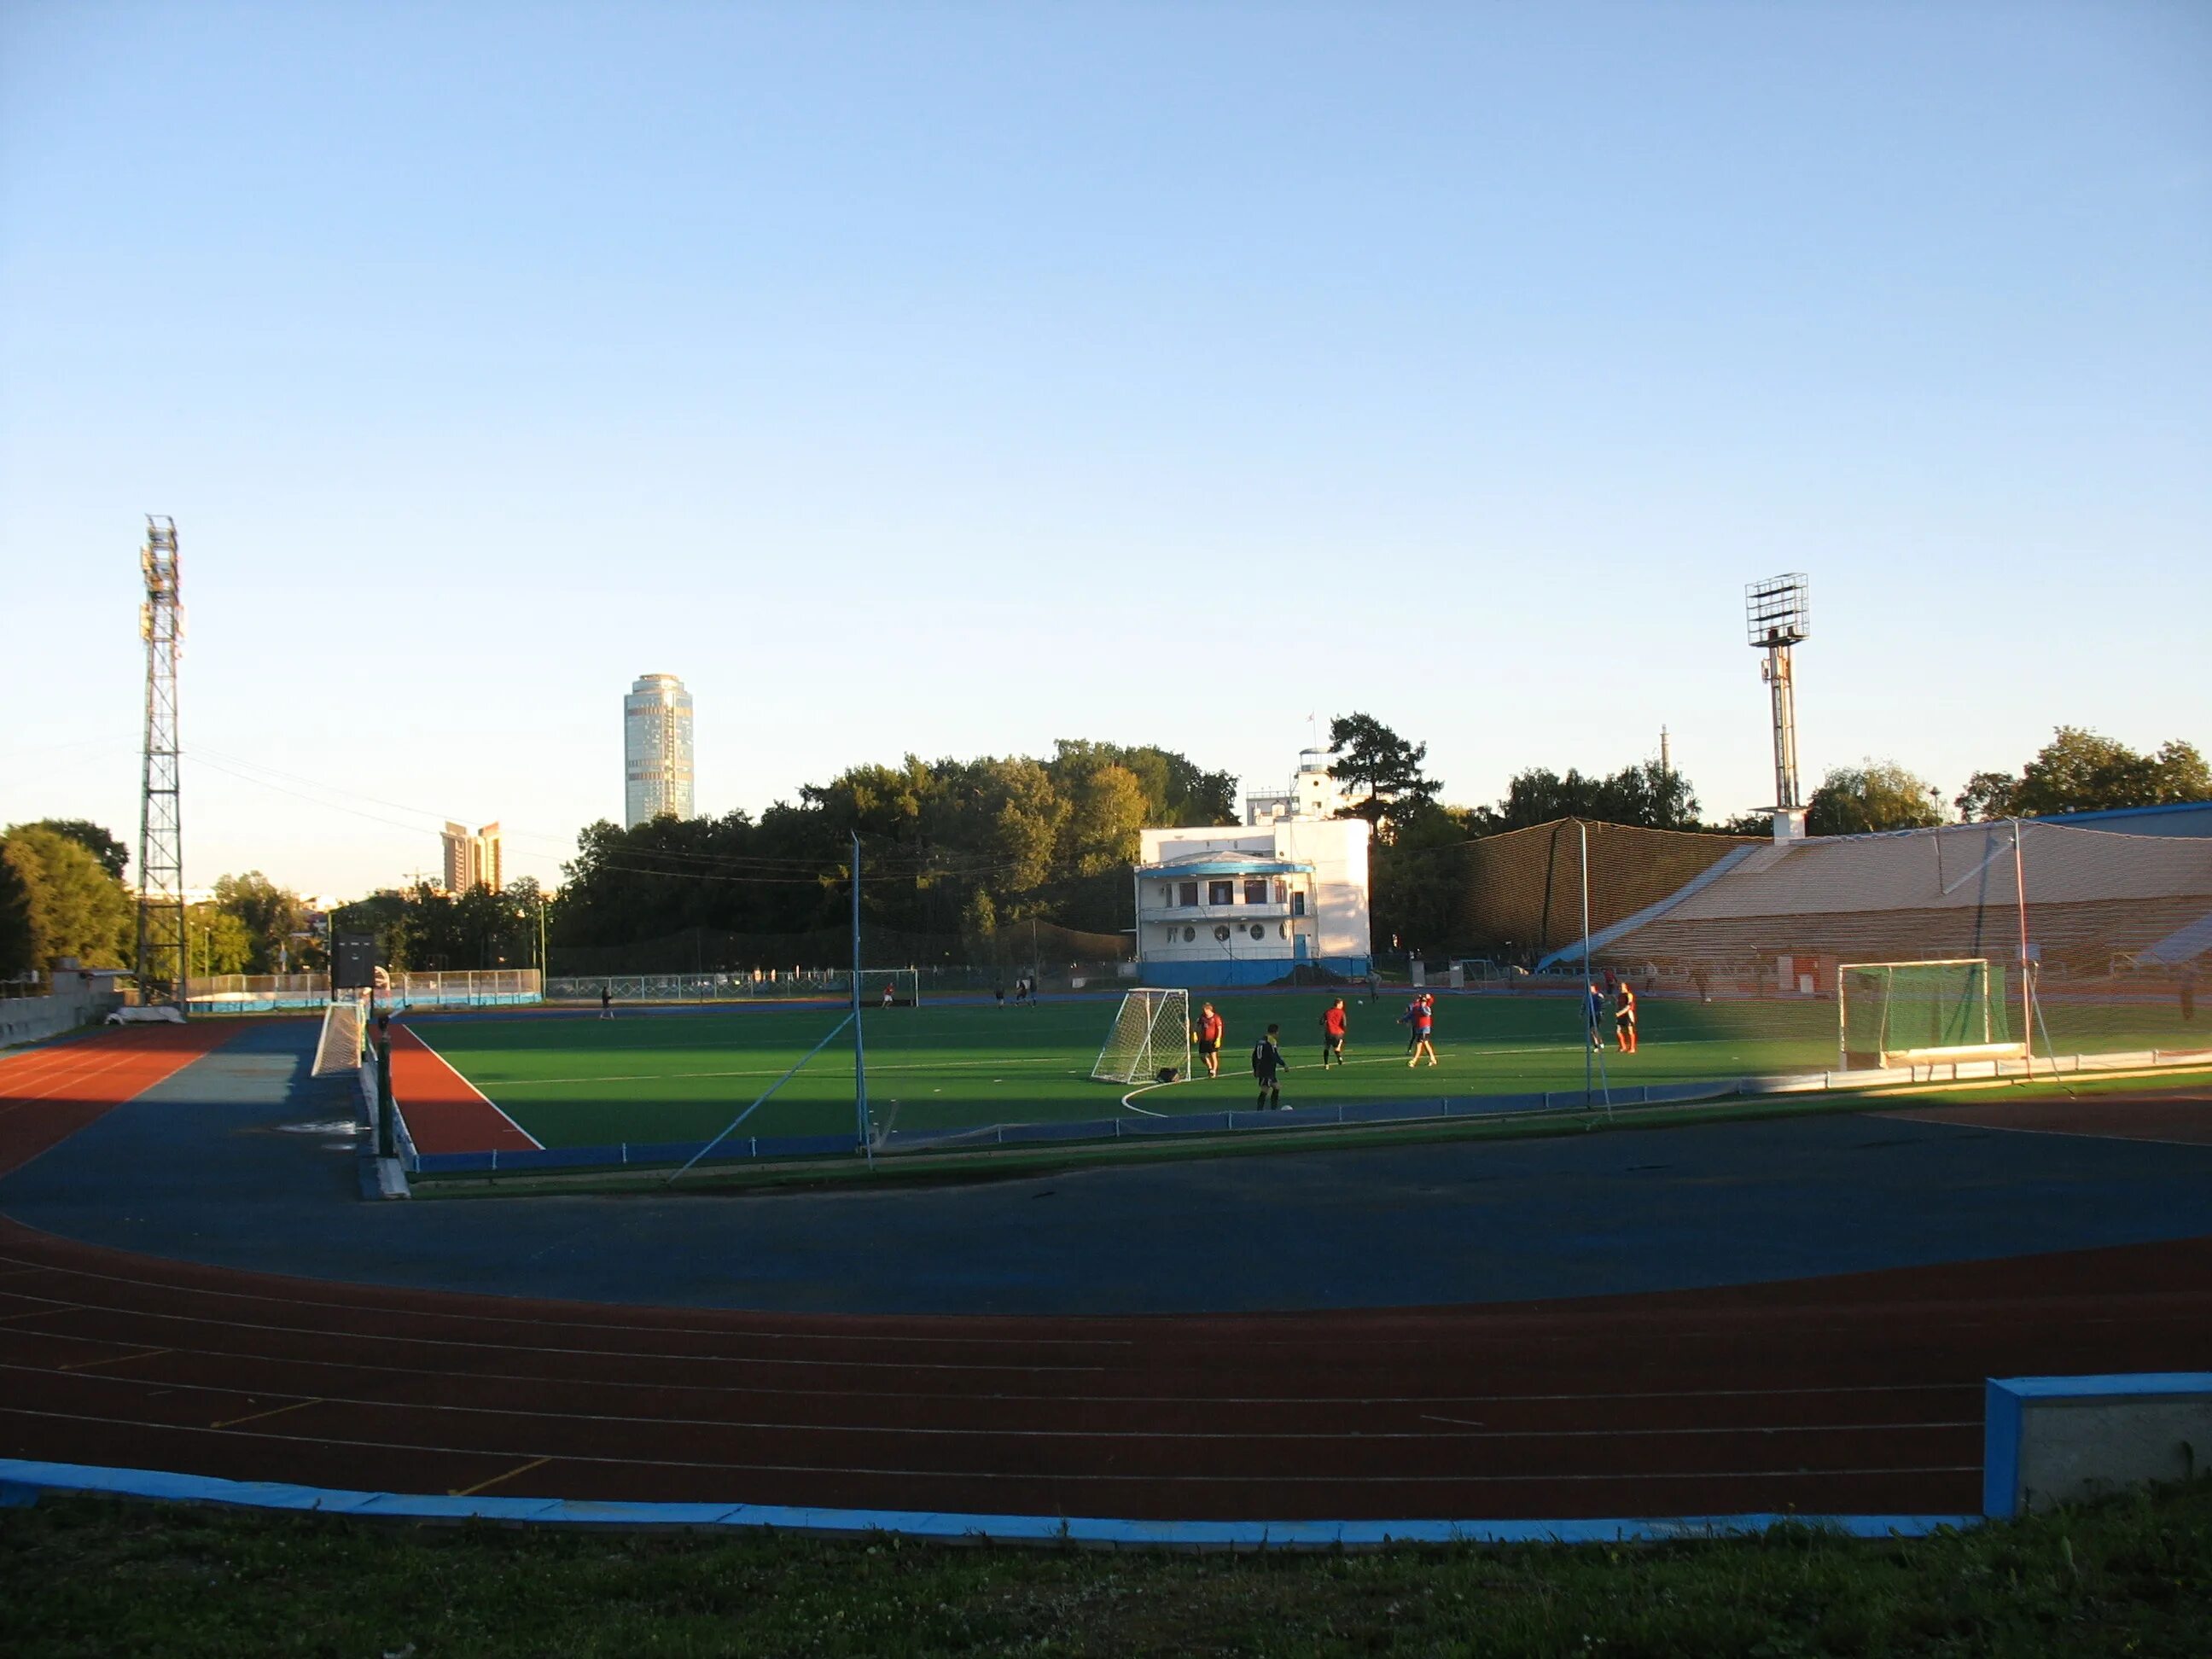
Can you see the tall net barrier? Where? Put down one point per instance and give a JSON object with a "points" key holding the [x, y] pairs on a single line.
{"points": [[1524, 889], [2090, 941], [1150, 1033], [946, 962]]}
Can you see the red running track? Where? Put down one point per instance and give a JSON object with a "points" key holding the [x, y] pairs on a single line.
{"points": [[1850, 1394]]}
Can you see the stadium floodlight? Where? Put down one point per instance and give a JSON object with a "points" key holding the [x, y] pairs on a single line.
{"points": [[1778, 614]]}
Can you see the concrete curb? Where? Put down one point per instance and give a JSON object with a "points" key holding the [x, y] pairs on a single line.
{"points": [[18, 1478]]}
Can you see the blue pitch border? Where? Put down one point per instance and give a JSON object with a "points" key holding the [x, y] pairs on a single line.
{"points": [[22, 1483]]}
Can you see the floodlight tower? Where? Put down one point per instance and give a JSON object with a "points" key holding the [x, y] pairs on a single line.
{"points": [[1778, 614], [161, 964]]}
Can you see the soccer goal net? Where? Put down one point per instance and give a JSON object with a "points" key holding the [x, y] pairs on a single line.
{"points": [[1150, 1035], [891, 988], [1891, 1013]]}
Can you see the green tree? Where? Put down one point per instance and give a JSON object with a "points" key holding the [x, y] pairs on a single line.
{"points": [[1857, 800], [114, 857], [1373, 759], [1106, 808], [18, 945], [215, 941], [274, 918], [1987, 795], [2080, 770], [1650, 795], [75, 908]]}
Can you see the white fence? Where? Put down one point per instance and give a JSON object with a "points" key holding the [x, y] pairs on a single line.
{"points": [[261, 994]]}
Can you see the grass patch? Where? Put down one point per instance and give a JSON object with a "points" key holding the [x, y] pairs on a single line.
{"points": [[99, 1577]]}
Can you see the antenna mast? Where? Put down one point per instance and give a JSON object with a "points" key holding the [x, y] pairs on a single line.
{"points": [[161, 964]]}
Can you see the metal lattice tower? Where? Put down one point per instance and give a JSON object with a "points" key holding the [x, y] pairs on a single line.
{"points": [[1778, 614], [161, 963]]}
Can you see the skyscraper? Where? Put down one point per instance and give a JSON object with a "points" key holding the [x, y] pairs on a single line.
{"points": [[471, 860], [656, 750]]}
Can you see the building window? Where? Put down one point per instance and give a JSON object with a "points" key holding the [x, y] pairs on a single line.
{"points": [[1282, 891], [1285, 930], [1221, 892], [1167, 893], [1189, 894], [1221, 934], [1259, 930], [1190, 935], [1255, 891], [1298, 904]]}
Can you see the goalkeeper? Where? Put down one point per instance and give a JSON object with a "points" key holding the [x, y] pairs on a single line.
{"points": [[1207, 1035]]}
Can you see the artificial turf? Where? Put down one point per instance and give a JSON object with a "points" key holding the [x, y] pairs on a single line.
{"points": [[573, 1080]]}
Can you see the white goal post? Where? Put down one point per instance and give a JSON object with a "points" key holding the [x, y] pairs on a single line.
{"points": [[902, 986], [1150, 1035], [1946, 1008]]}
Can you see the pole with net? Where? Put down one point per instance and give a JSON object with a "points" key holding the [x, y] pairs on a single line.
{"points": [[859, 1047], [1593, 1038], [2026, 968]]}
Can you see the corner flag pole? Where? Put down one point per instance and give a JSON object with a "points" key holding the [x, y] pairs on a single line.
{"points": [[860, 1048]]}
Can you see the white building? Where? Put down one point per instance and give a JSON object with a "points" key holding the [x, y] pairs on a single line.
{"points": [[1314, 793], [1252, 904], [656, 750]]}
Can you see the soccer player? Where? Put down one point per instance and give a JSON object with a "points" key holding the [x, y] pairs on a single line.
{"points": [[1332, 1034], [1623, 1017], [1593, 1016], [1207, 1035], [606, 1002], [887, 994], [1000, 993], [1425, 1015], [1267, 1062]]}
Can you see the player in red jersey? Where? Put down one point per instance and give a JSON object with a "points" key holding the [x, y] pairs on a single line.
{"points": [[1207, 1035], [1332, 1034]]}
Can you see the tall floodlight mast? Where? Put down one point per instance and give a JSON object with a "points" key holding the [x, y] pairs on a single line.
{"points": [[1778, 614], [161, 964]]}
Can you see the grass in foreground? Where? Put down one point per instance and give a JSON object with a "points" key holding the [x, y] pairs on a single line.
{"points": [[95, 1577]]}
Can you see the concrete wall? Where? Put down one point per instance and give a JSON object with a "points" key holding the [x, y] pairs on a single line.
{"points": [[2068, 1439], [27, 1019]]}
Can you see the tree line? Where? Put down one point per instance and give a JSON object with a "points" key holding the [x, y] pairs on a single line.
{"points": [[960, 849], [63, 894]]}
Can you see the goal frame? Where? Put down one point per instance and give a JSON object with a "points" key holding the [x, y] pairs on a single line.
{"points": [[906, 983], [1989, 1048], [1147, 1060]]}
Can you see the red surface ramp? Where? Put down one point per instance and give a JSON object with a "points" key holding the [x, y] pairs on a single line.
{"points": [[445, 1112]]}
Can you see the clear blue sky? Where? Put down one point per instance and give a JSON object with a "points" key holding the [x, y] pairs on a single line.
{"points": [[954, 378]]}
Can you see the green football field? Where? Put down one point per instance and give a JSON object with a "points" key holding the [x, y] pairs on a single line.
{"points": [[680, 1075]]}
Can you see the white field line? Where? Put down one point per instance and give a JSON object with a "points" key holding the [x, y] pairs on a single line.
{"points": [[946, 1068], [409, 1032]]}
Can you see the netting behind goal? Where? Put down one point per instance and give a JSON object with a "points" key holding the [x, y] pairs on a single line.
{"points": [[1150, 1033], [1894, 1012]]}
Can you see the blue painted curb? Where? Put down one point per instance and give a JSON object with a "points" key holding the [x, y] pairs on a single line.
{"points": [[17, 1477]]}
